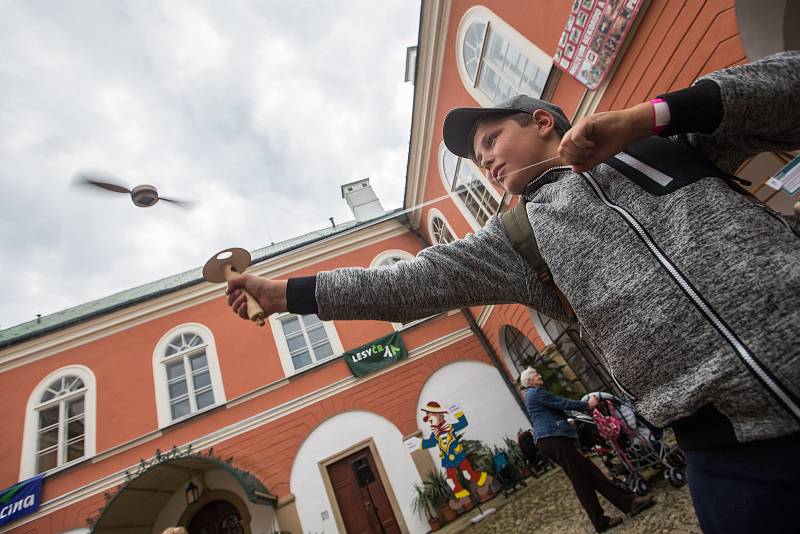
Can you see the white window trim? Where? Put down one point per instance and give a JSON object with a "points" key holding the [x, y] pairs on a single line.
{"points": [[432, 214], [484, 14], [456, 199], [283, 349], [385, 255], [160, 372], [27, 467]]}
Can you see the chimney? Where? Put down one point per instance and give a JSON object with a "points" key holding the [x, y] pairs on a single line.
{"points": [[362, 200]]}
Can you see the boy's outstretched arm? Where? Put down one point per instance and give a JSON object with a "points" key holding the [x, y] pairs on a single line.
{"points": [[730, 114], [482, 268]]}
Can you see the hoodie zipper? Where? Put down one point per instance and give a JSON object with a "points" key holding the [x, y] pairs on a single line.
{"points": [[779, 392]]}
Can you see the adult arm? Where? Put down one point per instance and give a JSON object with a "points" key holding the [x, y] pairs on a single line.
{"points": [[542, 396]]}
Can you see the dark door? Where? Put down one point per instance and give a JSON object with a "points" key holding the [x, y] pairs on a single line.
{"points": [[361, 497], [216, 517]]}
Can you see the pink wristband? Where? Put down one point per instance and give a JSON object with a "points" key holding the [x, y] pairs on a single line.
{"points": [[660, 115]]}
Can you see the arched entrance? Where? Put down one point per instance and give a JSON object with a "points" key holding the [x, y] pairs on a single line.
{"points": [[577, 351], [184, 489]]}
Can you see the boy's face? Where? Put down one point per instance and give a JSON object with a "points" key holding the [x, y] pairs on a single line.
{"points": [[502, 147]]}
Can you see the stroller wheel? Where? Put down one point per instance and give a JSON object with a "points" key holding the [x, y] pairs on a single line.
{"points": [[639, 486], [674, 476], [676, 458]]}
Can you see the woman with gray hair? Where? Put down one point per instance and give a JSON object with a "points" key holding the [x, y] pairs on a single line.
{"points": [[555, 437]]}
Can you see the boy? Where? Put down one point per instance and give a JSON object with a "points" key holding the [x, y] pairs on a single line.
{"points": [[693, 297]]}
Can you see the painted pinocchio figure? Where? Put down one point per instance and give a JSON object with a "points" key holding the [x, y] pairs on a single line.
{"points": [[451, 452]]}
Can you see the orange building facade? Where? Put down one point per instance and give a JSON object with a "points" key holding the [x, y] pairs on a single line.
{"points": [[158, 407]]}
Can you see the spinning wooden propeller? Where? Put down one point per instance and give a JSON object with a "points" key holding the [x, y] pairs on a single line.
{"points": [[143, 196]]}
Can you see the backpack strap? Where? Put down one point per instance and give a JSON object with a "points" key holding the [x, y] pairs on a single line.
{"points": [[520, 233]]}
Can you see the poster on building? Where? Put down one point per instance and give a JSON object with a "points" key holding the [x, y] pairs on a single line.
{"points": [[593, 38], [20, 499], [376, 355]]}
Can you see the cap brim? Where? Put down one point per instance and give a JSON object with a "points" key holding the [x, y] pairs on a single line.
{"points": [[459, 123]]}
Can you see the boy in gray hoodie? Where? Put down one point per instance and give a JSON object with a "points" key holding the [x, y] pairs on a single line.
{"points": [[692, 296]]}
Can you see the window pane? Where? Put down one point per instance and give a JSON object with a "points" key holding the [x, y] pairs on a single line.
{"points": [[177, 389], [179, 409], [204, 399], [48, 417], [488, 82], [75, 407], [47, 439], [310, 320], [198, 362], [46, 461], [496, 52], [301, 360], [317, 334], [175, 370], [75, 450], [323, 351], [449, 163], [290, 325], [295, 343], [202, 380], [74, 429]]}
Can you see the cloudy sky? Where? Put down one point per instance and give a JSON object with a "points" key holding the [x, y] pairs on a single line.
{"points": [[256, 110]]}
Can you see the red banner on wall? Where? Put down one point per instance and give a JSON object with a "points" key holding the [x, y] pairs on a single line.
{"points": [[593, 37]]}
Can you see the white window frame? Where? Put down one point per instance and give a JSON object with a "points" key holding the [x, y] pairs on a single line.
{"points": [[449, 187], [482, 14], [434, 213], [163, 410], [31, 430], [283, 348]]}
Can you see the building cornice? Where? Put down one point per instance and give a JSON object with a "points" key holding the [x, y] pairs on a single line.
{"points": [[430, 59], [111, 323]]}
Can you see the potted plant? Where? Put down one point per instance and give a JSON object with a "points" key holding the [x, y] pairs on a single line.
{"points": [[516, 457], [440, 494], [422, 505]]}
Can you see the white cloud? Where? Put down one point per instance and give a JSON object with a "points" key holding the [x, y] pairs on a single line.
{"points": [[256, 110]]}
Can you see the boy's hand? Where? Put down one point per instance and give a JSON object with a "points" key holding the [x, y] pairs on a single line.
{"points": [[596, 138], [270, 294]]}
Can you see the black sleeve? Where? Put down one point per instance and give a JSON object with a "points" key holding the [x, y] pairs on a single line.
{"points": [[695, 109], [301, 295]]}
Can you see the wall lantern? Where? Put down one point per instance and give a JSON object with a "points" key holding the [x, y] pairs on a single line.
{"points": [[192, 493]]}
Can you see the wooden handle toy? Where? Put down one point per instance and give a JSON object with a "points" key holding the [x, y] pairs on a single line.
{"points": [[221, 268]]}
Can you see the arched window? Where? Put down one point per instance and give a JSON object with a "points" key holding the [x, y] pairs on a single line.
{"points": [[519, 351], [390, 257], [438, 229], [187, 374], [60, 421], [474, 197], [303, 341], [495, 61]]}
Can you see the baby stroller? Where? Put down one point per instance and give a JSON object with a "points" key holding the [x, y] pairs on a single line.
{"points": [[537, 461], [627, 444], [506, 474]]}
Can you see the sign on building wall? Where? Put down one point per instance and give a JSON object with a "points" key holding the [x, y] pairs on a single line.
{"points": [[20, 500], [593, 37], [376, 355]]}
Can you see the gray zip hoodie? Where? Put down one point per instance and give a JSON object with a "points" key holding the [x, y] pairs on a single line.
{"points": [[692, 297]]}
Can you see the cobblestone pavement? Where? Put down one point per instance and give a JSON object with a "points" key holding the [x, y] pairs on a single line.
{"points": [[549, 505]]}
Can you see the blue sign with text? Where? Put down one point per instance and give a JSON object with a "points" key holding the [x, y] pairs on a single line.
{"points": [[20, 500]]}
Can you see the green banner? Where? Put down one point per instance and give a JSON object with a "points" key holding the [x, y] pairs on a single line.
{"points": [[376, 355]]}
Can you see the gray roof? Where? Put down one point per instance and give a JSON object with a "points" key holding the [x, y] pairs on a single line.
{"points": [[135, 295]]}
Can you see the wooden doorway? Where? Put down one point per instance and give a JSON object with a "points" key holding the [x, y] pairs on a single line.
{"points": [[361, 496], [216, 517]]}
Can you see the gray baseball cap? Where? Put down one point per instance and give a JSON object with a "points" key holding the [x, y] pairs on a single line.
{"points": [[460, 121]]}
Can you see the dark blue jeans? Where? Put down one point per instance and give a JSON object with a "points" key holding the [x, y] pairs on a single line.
{"points": [[747, 488]]}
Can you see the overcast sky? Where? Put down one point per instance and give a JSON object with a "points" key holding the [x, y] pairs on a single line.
{"points": [[256, 110]]}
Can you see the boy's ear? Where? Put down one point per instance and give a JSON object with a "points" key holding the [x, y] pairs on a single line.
{"points": [[545, 121]]}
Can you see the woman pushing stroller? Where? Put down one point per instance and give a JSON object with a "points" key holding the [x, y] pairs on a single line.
{"points": [[555, 437]]}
